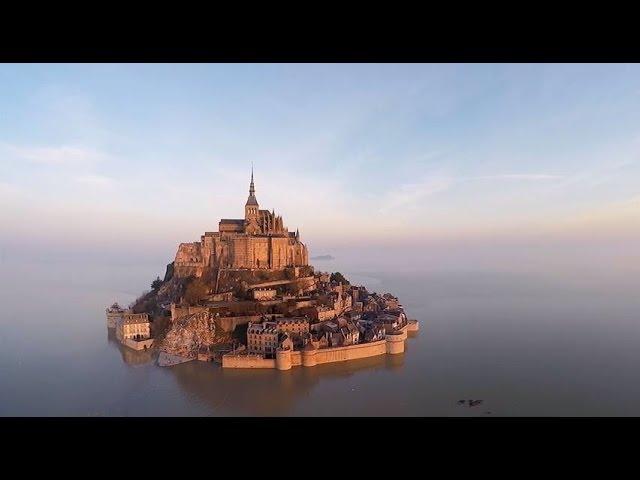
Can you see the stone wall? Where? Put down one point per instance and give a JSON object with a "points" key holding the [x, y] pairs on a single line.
{"points": [[303, 282], [229, 324], [239, 250], [303, 304], [113, 317], [413, 326], [178, 311], [139, 344], [264, 294], [167, 360], [231, 360], [285, 359], [351, 352]]}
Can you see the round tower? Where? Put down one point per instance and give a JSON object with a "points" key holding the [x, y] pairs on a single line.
{"points": [[283, 359], [309, 356], [395, 342]]}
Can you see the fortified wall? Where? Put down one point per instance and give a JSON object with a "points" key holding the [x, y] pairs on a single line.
{"points": [[393, 344]]}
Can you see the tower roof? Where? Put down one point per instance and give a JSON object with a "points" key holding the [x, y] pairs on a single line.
{"points": [[252, 192]]}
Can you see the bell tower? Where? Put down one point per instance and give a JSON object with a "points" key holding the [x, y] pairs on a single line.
{"points": [[251, 208]]}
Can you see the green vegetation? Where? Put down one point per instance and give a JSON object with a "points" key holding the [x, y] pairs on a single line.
{"points": [[146, 303], [159, 327], [156, 284], [338, 277], [196, 291]]}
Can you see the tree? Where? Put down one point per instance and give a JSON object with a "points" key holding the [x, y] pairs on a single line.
{"points": [[156, 284], [338, 277], [196, 291]]}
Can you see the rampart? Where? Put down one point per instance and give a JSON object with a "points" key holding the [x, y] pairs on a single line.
{"points": [[392, 344], [138, 344], [113, 317], [231, 360]]}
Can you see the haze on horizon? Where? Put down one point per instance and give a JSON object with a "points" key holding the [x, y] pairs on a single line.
{"points": [[381, 166]]}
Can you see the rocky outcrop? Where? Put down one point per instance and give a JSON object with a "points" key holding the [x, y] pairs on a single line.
{"points": [[192, 333], [155, 302], [168, 360], [168, 275]]}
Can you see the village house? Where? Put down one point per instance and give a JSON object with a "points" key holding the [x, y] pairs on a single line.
{"points": [[133, 326], [133, 330], [339, 332], [285, 342], [262, 294], [390, 301], [296, 327], [392, 320], [262, 338], [319, 313], [221, 297], [293, 325]]}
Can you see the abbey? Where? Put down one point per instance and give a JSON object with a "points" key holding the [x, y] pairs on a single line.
{"points": [[258, 241]]}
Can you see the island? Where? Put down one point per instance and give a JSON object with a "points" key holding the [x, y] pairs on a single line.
{"points": [[245, 296]]}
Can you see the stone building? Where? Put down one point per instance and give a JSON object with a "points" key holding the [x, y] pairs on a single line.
{"points": [[114, 313], [319, 313], [262, 338], [133, 326], [293, 325], [297, 328], [391, 319], [258, 241], [133, 330], [339, 332], [264, 293], [390, 301]]}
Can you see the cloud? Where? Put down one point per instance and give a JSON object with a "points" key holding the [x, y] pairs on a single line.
{"points": [[94, 180], [9, 190], [518, 176], [412, 193], [65, 155]]}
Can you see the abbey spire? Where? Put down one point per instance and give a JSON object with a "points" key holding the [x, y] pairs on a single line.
{"points": [[252, 209], [252, 193]]}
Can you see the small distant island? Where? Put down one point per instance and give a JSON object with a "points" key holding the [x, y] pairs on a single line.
{"points": [[323, 257], [246, 296]]}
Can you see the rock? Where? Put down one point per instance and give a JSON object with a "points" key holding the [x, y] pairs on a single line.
{"points": [[192, 333], [167, 359], [168, 275]]}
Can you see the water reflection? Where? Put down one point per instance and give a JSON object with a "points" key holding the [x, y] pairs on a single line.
{"points": [[558, 344], [130, 356], [261, 392], [266, 391]]}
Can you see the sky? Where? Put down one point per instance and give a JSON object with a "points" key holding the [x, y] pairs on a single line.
{"points": [[409, 166]]}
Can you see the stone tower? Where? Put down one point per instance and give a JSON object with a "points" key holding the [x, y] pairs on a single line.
{"points": [[251, 210]]}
